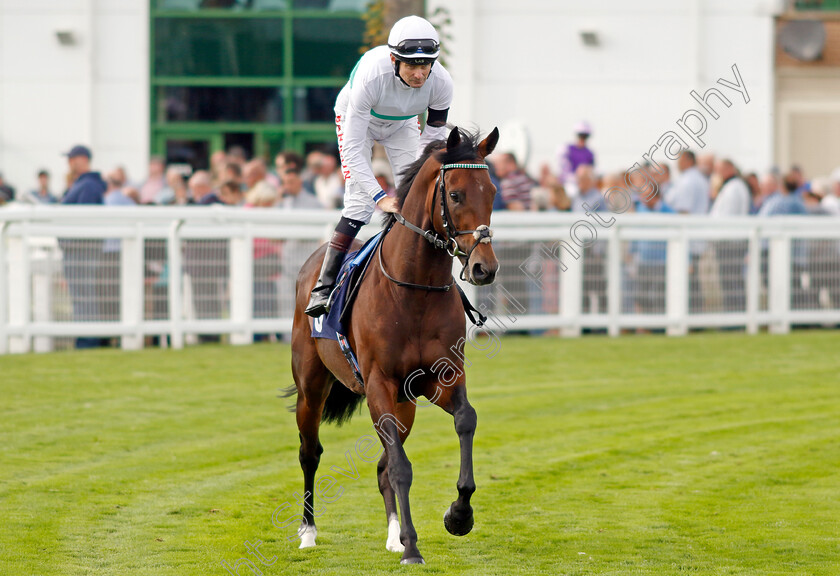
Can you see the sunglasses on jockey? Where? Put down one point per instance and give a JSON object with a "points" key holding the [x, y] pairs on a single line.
{"points": [[414, 47]]}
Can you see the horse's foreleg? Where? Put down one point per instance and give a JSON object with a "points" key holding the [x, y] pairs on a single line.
{"points": [[458, 519], [392, 432], [405, 416]]}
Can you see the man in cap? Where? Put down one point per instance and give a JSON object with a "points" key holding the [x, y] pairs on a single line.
{"points": [[88, 187], [388, 88], [83, 257]]}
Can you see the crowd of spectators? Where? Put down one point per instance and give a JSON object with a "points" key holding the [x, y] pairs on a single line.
{"points": [[232, 179], [704, 184]]}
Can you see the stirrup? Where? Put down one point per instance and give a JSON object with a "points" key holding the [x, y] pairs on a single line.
{"points": [[319, 302]]}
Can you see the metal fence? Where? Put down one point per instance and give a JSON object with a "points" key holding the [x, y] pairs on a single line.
{"points": [[174, 276]]}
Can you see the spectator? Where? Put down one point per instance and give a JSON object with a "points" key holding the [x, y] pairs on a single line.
{"points": [[232, 172], [328, 183], [115, 183], [201, 189], [41, 194], [785, 201], [155, 182], [575, 155], [751, 181], [831, 201], [653, 203], [253, 172], [237, 155], [294, 196], [109, 269], [82, 257], [218, 160], [768, 185], [261, 196], [706, 165], [648, 261], [798, 176], [7, 193], [176, 189], [516, 184], [734, 196], [254, 176], [690, 192], [589, 193], [88, 187], [555, 197], [231, 194], [733, 199], [663, 180]]}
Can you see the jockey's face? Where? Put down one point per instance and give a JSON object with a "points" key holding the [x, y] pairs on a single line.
{"points": [[413, 75]]}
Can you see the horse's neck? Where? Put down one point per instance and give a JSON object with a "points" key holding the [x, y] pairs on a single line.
{"points": [[410, 257]]}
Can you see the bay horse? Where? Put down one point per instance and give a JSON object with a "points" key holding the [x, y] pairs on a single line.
{"points": [[405, 318]]}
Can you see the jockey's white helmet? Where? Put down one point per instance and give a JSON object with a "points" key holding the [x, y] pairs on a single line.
{"points": [[414, 40]]}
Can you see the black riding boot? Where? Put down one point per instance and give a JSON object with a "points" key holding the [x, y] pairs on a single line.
{"points": [[318, 300]]}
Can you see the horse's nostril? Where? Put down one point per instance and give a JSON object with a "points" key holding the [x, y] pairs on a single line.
{"points": [[479, 272]]}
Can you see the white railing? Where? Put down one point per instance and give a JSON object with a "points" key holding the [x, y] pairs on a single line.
{"points": [[68, 272]]}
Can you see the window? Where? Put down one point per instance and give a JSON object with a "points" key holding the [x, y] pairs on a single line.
{"points": [[261, 73]]}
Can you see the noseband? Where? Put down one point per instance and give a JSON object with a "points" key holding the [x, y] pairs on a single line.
{"points": [[482, 234]]}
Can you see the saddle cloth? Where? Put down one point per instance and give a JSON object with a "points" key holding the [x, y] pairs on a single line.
{"points": [[333, 324]]}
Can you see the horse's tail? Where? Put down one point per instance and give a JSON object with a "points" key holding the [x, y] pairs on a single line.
{"points": [[340, 406]]}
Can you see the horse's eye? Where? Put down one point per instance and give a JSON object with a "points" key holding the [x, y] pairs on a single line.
{"points": [[454, 196]]}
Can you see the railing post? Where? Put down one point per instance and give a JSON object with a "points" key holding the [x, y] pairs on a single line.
{"points": [[131, 288], [571, 294], [614, 282], [676, 285], [19, 282], [176, 329], [780, 283], [4, 291], [241, 282], [753, 279]]}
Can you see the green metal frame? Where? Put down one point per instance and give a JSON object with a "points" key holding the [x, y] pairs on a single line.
{"points": [[294, 135]]}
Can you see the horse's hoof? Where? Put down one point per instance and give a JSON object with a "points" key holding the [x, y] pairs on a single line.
{"points": [[307, 537], [416, 560], [458, 524]]}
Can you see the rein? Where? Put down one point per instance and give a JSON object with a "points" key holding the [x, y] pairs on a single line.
{"points": [[482, 234]]}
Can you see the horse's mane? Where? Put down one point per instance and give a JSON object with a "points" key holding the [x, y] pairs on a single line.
{"points": [[467, 149]]}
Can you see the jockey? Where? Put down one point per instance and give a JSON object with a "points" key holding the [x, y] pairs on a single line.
{"points": [[389, 87]]}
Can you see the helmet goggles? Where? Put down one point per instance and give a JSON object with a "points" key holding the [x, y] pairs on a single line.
{"points": [[416, 48]]}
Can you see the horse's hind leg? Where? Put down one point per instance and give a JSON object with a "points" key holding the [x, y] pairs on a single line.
{"points": [[405, 415], [313, 387]]}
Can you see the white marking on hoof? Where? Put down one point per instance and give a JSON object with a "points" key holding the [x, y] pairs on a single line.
{"points": [[393, 544], [307, 539]]}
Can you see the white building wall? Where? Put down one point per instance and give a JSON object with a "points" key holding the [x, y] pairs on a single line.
{"points": [[95, 92], [524, 62]]}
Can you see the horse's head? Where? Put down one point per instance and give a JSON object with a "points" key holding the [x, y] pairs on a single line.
{"points": [[461, 203]]}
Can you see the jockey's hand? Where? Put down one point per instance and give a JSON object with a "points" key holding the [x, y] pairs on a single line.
{"points": [[388, 204]]}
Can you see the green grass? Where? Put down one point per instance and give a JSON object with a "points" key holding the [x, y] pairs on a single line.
{"points": [[712, 454]]}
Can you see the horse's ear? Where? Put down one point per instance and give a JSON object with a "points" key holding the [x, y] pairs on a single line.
{"points": [[454, 138], [489, 144]]}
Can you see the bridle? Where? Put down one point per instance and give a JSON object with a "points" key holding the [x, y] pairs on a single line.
{"points": [[482, 234]]}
